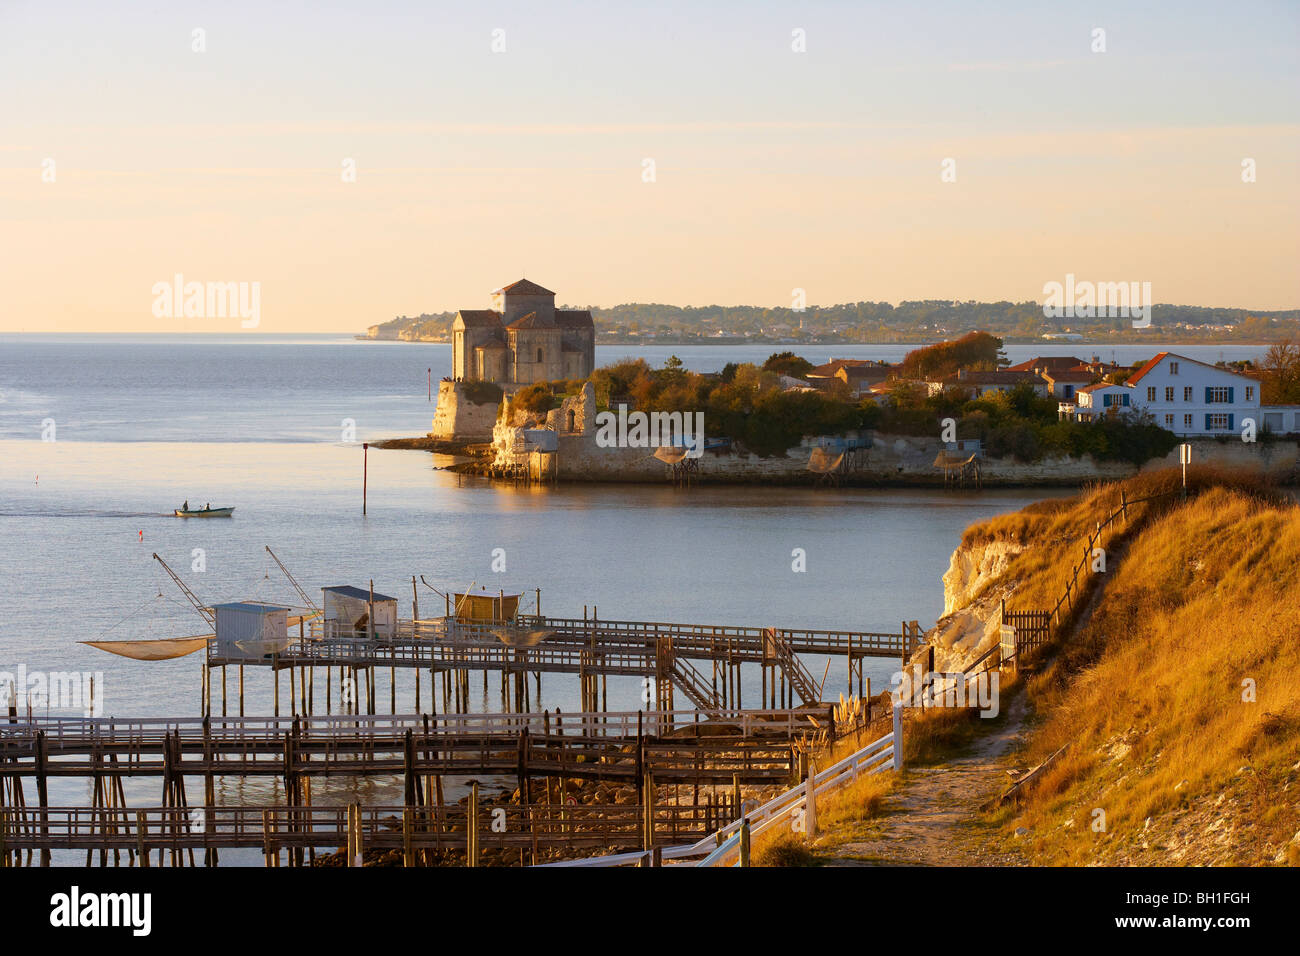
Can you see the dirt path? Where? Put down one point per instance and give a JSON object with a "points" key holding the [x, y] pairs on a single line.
{"points": [[931, 818]]}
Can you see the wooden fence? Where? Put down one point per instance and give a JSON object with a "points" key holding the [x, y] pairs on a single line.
{"points": [[1027, 630], [795, 808]]}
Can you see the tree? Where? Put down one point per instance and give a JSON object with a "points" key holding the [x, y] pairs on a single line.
{"points": [[944, 358], [1281, 367], [787, 363]]}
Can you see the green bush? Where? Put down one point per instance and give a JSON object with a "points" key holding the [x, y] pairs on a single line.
{"points": [[481, 393], [536, 399]]}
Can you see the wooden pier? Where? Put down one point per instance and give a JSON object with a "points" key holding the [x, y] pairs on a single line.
{"points": [[559, 763], [753, 747], [464, 832], [673, 655]]}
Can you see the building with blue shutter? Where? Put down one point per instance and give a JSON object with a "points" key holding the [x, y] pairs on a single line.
{"points": [[1192, 398]]}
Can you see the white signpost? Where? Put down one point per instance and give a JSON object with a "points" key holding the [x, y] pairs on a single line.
{"points": [[1185, 457]]}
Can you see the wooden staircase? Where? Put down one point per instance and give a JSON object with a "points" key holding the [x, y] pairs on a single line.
{"points": [[687, 678], [803, 682]]}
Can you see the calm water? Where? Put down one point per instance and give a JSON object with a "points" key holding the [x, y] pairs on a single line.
{"points": [[144, 422], [153, 388]]}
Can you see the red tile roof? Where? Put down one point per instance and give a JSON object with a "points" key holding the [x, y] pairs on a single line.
{"points": [[1048, 362], [1000, 377], [479, 317], [829, 369], [532, 320], [525, 287], [1068, 375], [1137, 376], [574, 318]]}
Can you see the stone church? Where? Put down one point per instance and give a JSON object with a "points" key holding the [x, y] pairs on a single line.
{"points": [[522, 339]]}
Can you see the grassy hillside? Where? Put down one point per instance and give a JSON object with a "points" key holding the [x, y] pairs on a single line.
{"points": [[1152, 688]]}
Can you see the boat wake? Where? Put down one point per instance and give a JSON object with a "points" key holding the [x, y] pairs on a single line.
{"points": [[86, 514]]}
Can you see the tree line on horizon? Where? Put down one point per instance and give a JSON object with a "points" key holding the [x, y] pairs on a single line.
{"points": [[942, 315]]}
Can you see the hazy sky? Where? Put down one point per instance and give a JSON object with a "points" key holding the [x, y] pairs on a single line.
{"points": [[774, 169]]}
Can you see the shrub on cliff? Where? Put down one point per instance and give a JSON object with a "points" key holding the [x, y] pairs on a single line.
{"points": [[536, 399], [481, 393]]}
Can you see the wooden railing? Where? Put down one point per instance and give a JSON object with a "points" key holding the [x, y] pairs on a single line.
{"points": [[724, 846], [1042, 627], [616, 724]]}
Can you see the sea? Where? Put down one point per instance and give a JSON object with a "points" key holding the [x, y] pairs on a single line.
{"points": [[102, 436]]}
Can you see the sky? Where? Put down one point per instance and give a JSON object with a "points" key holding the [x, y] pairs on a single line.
{"points": [[682, 153]]}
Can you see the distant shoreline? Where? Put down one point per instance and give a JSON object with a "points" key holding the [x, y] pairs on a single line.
{"points": [[795, 346]]}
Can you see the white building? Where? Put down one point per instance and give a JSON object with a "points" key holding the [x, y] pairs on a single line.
{"points": [[347, 613], [1191, 398], [1280, 419], [1093, 402]]}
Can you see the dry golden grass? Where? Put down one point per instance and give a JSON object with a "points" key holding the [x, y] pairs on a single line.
{"points": [[1149, 693], [784, 849], [935, 735], [1056, 531], [859, 801]]}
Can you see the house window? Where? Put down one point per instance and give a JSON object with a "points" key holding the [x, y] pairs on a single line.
{"points": [[1169, 393], [1217, 422], [1169, 421], [1250, 393], [1187, 421], [1151, 393], [1126, 398], [1218, 396], [1173, 368], [539, 356], [1187, 393], [1105, 400]]}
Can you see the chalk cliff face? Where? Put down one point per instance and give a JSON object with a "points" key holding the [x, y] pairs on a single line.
{"points": [[458, 418], [970, 625], [971, 569]]}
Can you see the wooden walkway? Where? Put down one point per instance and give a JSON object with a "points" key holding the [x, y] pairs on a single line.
{"points": [[232, 747], [135, 833], [670, 654]]}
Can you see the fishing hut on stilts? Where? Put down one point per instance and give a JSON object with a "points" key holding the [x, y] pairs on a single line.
{"points": [[960, 472]]}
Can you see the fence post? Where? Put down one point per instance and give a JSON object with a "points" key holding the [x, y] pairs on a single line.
{"points": [[356, 849], [898, 736], [744, 842], [471, 827], [810, 802], [408, 852]]}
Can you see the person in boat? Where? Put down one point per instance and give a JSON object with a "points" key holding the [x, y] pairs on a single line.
{"points": [[207, 506], [186, 506]]}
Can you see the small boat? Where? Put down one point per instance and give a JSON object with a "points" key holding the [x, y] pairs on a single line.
{"points": [[205, 513]]}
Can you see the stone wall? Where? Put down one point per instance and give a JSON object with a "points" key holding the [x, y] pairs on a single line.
{"points": [[1277, 459], [458, 419], [892, 459]]}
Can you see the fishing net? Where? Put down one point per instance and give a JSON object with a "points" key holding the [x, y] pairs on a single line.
{"points": [[160, 650], [823, 462]]}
